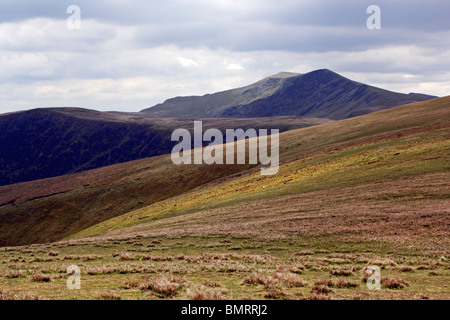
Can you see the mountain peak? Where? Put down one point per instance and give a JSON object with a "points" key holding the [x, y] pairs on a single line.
{"points": [[284, 74], [320, 93], [324, 72]]}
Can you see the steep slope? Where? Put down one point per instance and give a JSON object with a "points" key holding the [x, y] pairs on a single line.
{"points": [[49, 209], [44, 143], [214, 105], [48, 142], [408, 142], [320, 93]]}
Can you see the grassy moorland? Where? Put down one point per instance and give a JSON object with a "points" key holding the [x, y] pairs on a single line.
{"points": [[53, 208], [408, 141], [372, 190]]}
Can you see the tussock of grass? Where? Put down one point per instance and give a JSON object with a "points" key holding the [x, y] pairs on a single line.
{"points": [[39, 277], [394, 283], [164, 286], [343, 271], [207, 294], [274, 291], [107, 296], [7, 295], [321, 289]]}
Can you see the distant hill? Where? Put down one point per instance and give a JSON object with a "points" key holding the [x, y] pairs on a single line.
{"points": [[44, 143], [321, 93]]}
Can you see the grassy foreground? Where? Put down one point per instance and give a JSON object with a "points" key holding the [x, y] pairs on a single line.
{"points": [[228, 267]]}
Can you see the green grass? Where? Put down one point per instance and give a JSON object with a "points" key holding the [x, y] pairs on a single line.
{"points": [[213, 260]]}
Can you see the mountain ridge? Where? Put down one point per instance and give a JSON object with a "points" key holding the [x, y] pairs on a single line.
{"points": [[49, 142], [321, 93]]}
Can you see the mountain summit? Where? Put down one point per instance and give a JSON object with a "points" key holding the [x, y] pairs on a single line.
{"points": [[321, 93]]}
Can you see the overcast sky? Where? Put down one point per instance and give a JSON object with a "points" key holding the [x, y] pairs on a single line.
{"points": [[129, 54]]}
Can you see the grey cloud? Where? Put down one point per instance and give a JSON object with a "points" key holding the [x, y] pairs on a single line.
{"points": [[179, 47], [304, 26], [414, 14]]}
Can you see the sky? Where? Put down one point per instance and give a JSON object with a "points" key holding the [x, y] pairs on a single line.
{"points": [[128, 55]]}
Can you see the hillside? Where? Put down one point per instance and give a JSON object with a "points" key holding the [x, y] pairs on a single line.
{"points": [[43, 143], [366, 191], [321, 93], [370, 190], [51, 209], [402, 142]]}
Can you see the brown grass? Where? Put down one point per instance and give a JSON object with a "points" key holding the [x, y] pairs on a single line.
{"points": [[7, 295], [275, 292], [13, 274], [107, 296], [164, 286], [319, 297], [207, 294], [125, 256], [394, 283], [211, 283], [344, 271], [321, 289], [39, 277], [256, 278], [289, 280], [344, 283]]}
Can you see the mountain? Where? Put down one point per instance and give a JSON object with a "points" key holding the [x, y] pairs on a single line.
{"points": [[321, 93], [137, 196], [49, 142]]}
